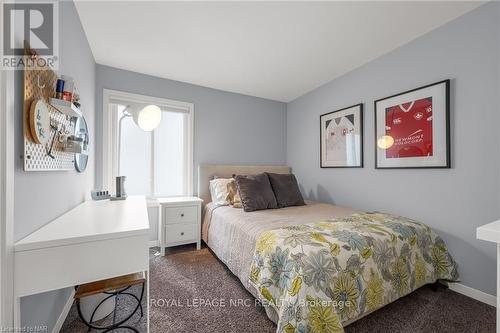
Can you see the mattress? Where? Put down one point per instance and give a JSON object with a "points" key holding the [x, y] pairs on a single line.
{"points": [[321, 264], [225, 226]]}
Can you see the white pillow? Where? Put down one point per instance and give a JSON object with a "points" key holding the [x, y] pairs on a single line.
{"points": [[218, 190]]}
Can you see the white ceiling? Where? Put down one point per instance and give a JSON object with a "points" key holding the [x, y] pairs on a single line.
{"points": [[275, 50]]}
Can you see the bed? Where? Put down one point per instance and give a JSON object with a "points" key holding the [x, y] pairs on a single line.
{"points": [[320, 267]]}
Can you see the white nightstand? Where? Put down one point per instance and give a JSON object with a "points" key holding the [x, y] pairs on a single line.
{"points": [[180, 222]]}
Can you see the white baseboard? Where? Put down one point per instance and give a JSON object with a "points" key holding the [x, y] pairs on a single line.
{"points": [[473, 293], [64, 313], [154, 243]]}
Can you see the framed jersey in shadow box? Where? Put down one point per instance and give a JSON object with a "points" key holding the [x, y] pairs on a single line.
{"points": [[412, 129], [341, 138]]}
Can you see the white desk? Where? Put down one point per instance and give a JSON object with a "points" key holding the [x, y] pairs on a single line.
{"points": [[491, 232], [96, 240]]}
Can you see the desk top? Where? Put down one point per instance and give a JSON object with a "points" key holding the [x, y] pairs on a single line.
{"points": [[91, 221], [489, 232]]}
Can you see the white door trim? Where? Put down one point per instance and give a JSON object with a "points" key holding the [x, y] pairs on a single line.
{"points": [[7, 198], [2, 196], [109, 156]]}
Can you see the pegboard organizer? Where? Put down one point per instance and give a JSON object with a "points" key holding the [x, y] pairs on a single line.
{"points": [[39, 82]]}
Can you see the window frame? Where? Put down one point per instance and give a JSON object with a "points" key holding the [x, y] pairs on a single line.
{"points": [[110, 136]]}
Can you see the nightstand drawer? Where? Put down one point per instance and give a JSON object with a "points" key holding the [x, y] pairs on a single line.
{"points": [[181, 232], [181, 214]]}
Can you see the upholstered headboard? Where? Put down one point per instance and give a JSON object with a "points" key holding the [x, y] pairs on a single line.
{"points": [[207, 172]]}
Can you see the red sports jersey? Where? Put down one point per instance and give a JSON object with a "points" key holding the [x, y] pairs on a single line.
{"points": [[410, 125]]}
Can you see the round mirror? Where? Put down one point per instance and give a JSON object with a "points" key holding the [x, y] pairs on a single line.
{"points": [[82, 131]]}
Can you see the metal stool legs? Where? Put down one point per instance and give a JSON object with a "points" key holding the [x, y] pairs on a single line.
{"points": [[115, 325]]}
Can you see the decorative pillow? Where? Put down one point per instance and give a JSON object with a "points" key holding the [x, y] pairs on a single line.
{"points": [[255, 192], [233, 197], [286, 190], [218, 190]]}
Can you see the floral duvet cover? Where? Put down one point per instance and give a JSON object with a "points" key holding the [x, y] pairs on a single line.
{"points": [[319, 276]]}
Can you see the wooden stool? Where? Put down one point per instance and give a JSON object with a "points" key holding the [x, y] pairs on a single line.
{"points": [[113, 287]]}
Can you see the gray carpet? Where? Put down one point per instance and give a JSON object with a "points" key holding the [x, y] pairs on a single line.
{"points": [[185, 278], [125, 306]]}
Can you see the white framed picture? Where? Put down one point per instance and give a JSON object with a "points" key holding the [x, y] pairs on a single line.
{"points": [[341, 138], [412, 129]]}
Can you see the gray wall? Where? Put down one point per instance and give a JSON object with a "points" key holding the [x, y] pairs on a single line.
{"points": [[42, 196], [229, 128], [453, 202]]}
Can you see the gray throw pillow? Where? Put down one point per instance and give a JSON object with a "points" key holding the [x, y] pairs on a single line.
{"points": [[286, 190], [255, 192]]}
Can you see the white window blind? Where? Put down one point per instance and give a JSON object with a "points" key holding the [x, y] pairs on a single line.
{"points": [[171, 155], [157, 163]]}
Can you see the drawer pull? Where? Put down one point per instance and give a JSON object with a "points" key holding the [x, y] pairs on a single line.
{"points": [[182, 233], [182, 215]]}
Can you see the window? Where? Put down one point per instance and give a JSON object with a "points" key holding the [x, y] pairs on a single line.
{"points": [[134, 153], [157, 163]]}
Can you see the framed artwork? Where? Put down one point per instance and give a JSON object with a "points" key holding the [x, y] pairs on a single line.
{"points": [[412, 129], [341, 138]]}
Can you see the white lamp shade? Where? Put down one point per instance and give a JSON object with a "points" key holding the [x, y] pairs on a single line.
{"points": [[148, 118], [385, 142]]}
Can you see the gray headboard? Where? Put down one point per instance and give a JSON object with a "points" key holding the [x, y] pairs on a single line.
{"points": [[206, 172]]}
